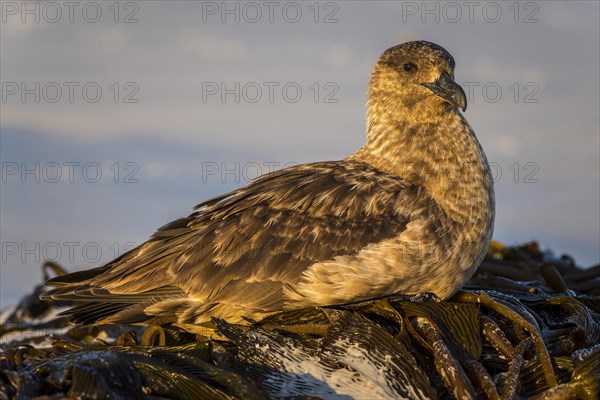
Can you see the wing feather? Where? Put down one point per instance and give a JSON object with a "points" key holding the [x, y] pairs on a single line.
{"points": [[242, 248]]}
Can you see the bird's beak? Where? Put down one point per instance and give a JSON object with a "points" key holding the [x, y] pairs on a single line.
{"points": [[447, 89]]}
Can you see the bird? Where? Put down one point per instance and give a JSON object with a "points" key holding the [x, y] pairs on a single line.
{"points": [[410, 212]]}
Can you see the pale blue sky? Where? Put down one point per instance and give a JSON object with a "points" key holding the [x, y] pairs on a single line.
{"points": [[182, 144]]}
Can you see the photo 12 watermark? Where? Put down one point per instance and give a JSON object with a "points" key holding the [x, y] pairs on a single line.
{"points": [[493, 92], [239, 172], [270, 92], [245, 172], [69, 172], [516, 172], [526, 12], [69, 92], [252, 12], [52, 12], [70, 252]]}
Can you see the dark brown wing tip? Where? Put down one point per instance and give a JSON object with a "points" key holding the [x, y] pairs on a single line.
{"points": [[75, 277]]}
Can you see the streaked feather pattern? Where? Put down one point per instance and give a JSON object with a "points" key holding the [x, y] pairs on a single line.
{"points": [[411, 211], [252, 243]]}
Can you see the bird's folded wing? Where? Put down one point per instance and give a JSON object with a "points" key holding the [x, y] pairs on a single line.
{"points": [[265, 234]]}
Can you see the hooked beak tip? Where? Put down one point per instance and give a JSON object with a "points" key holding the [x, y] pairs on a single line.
{"points": [[446, 88]]}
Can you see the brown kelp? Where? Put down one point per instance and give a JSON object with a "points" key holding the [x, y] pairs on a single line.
{"points": [[527, 325]]}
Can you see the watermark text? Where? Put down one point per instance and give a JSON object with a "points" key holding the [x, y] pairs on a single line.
{"points": [[69, 92], [53, 12], [470, 11], [69, 172], [271, 92], [252, 12]]}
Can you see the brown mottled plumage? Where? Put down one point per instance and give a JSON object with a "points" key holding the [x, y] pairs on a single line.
{"points": [[412, 211]]}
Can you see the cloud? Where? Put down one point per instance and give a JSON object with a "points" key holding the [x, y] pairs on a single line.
{"points": [[200, 45], [562, 16], [507, 145], [338, 55]]}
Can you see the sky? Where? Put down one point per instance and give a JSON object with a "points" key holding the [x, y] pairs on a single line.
{"points": [[116, 118]]}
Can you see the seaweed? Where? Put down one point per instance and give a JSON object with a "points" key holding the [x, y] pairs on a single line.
{"points": [[527, 325]]}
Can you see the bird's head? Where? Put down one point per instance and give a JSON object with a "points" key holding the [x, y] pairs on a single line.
{"points": [[416, 74]]}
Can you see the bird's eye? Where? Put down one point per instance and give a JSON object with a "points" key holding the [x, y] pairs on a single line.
{"points": [[410, 67]]}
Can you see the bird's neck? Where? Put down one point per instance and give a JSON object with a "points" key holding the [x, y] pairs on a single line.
{"points": [[437, 150]]}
